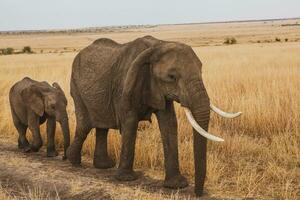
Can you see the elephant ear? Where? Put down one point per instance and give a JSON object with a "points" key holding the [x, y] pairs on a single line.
{"points": [[154, 97], [57, 86], [137, 76], [32, 97]]}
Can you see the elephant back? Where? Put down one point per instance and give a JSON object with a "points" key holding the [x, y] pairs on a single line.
{"points": [[93, 74]]}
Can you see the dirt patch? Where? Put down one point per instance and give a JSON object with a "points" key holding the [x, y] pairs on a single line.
{"points": [[51, 178]]}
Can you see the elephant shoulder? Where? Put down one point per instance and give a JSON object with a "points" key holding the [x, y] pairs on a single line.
{"points": [[151, 40], [106, 42], [22, 84], [147, 40]]}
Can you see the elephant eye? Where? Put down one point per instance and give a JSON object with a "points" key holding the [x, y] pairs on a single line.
{"points": [[172, 77], [53, 106]]}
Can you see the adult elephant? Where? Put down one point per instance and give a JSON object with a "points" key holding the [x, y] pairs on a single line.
{"points": [[114, 86], [32, 103]]}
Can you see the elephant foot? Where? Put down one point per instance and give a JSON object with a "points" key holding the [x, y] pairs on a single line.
{"points": [[35, 148], [52, 153], [20, 145], [26, 149], [64, 157], [73, 156], [176, 182], [24, 146], [103, 163], [199, 193], [126, 175]]}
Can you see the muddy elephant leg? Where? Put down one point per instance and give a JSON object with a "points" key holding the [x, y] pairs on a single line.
{"points": [[168, 127], [51, 125], [128, 130], [34, 127], [101, 158]]}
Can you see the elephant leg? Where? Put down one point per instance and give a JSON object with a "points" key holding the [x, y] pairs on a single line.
{"points": [[101, 158], [128, 129], [34, 127], [83, 127], [21, 128], [51, 125], [168, 128], [22, 141], [74, 150]]}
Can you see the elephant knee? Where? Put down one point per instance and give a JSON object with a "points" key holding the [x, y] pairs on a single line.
{"points": [[81, 134]]}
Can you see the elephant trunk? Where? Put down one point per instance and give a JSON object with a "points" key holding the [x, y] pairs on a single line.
{"points": [[200, 111], [200, 156], [66, 132]]}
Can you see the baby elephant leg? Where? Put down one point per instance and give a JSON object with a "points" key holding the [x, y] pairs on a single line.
{"points": [[51, 125], [21, 128], [34, 127], [22, 141]]}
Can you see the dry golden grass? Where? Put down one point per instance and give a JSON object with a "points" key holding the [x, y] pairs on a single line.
{"points": [[260, 157], [28, 193], [3, 195]]}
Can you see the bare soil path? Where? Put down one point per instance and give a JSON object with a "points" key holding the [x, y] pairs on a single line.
{"points": [[56, 179]]}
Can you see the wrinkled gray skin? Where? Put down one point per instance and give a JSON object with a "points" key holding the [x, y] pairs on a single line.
{"points": [[32, 103], [114, 86]]}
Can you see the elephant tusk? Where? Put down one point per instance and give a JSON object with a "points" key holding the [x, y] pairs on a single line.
{"points": [[224, 114], [198, 128]]}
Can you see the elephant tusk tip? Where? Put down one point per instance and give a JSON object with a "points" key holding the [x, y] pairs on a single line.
{"points": [[237, 114], [219, 140], [223, 113]]}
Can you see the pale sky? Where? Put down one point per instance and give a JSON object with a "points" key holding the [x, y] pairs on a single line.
{"points": [[58, 14]]}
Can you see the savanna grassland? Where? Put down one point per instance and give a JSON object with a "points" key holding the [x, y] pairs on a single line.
{"points": [[259, 76]]}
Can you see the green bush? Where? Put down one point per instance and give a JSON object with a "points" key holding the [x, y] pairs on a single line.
{"points": [[231, 40], [7, 51], [277, 39], [286, 39], [27, 49]]}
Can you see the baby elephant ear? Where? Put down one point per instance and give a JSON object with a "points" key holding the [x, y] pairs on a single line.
{"points": [[32, 98], [55, 85]]}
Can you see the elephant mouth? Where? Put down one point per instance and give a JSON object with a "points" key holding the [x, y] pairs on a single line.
{"points": [[173, 97]]}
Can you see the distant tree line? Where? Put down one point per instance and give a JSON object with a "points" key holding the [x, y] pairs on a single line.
{"points": [[10, 50]]}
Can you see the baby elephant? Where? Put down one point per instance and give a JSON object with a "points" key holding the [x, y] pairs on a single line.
{"points": [[32, 103]]}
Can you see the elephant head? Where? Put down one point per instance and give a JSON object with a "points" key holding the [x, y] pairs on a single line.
{"points": [[43, 99], [173, 72]]}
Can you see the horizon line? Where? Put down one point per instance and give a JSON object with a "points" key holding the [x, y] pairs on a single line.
{"points": [[138, 25]]}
